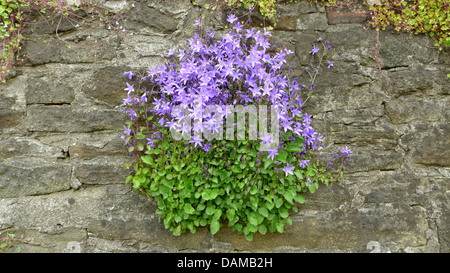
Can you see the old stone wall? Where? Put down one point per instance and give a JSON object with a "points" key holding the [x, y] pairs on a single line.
{"points": [[61, 157]]}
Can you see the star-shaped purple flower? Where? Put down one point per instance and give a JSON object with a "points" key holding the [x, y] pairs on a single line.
{"points": [[288, 170]]}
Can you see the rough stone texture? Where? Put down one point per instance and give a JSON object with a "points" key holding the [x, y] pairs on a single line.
{"points": [[61, 177]]}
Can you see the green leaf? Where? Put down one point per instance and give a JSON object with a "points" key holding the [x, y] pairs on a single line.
{"points": [[280, 226], [210, 210], [165, 191], [294, 148], [249, 236], [263, 211], [214, 226], [230, 214], [299, 198], [253, 219], [153, 152], [288, 196], [210, 194], [200, 207], [299, 174], [278, 202], [262, 229], [189, 209], [217, 214], [282, 156], [147, 159], [269, 205], [236, 169], [189, 184], [284, 212]]}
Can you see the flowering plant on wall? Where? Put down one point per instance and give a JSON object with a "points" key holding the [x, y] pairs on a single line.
{"points": [[193, 150]]}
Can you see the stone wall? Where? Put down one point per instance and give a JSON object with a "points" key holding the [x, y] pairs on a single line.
{"points": [[61, 157]]}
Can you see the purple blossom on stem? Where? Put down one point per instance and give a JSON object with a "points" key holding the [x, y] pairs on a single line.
{"points": [[272, 154], [130, 88], [314, 50], [288, 170], [129, 74], [304, 163], [346, 151]]}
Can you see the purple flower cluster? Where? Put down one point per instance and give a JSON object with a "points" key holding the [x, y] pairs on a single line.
{"points": [[235, 69]]}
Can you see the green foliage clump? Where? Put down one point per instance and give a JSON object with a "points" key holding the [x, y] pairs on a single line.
{"points": [[231, 182], [430, 17], [10, 16]]}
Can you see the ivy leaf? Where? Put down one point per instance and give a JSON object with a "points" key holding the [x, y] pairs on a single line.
{"points": [[210, 194], [210, 210], [262, 229], [214, 226], [147, 159], [253, 219], [189, 184], [217, 214], [280, 226], [284, 212], [288, 196], [188, 208], [299, 174], [230, 214], [249, 236], [269, 205], [278, 202], [263, 211], [294, 148], [165, 191], [299, 198], [200, 207], [153, 152], [282, 156], [236, 169], [267, 163]]}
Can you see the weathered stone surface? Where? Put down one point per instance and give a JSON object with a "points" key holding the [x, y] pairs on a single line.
{"points": [[101, 171], [83, 49], [60, 23], [107, 85], [64, 118], [112, 212], [81, 150], [20, 176], [315, 21], [23, 146], [143, 16], [323, 231], [9, 117], [288, 17], [407, 109], [340, 16], [429, 143], [401, 50], [46, 91], [61, 156]]}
